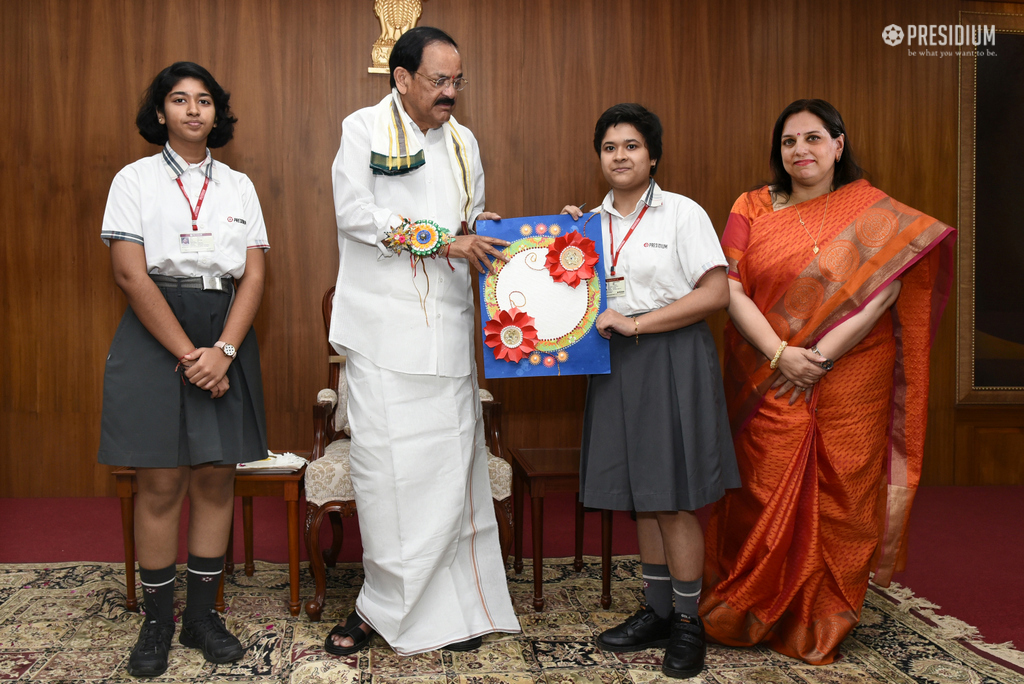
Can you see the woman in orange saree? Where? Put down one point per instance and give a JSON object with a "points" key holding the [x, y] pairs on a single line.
{"points": [[836, 293]]}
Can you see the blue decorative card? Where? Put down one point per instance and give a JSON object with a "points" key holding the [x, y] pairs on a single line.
{"points": [[538, 309]]}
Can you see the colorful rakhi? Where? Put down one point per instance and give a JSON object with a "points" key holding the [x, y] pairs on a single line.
{"points": [[420, 238]]}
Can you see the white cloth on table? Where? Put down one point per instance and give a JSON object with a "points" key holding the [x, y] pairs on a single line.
{"points": [[433, 567]]}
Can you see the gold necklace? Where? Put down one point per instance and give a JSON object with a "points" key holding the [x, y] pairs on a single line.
{"points": [[804, 226]]}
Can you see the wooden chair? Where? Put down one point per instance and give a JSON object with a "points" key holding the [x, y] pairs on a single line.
{"points": [[328, 481]]}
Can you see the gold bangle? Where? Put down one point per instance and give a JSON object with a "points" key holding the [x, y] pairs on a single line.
{"points": [[778, 355], [636, 328]]}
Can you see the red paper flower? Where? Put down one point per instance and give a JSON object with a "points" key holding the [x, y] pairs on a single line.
{"points": [[571, 259], [511, 334]]}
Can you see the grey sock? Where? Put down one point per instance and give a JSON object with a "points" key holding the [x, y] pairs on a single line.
{"points": [[687, 595], [658, 588]]}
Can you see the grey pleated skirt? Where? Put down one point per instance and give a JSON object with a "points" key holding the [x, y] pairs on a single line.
{"points": [[656, 431], [151, 419]]}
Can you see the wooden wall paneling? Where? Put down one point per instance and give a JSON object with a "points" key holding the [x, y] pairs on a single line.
{"points": [[716, 72], [990, 445], [551, 111]]}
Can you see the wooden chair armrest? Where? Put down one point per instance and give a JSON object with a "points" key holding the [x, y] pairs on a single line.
{"points": [[492, 427], [321, 417]]}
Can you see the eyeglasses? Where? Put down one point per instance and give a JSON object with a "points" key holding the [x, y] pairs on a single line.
{"points": [[445, 81]]}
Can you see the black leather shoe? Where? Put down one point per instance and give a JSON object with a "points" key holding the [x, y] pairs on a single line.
{"points": [[684, 656], [149, 657], [643, 629], [467, 645], [209, 633]]}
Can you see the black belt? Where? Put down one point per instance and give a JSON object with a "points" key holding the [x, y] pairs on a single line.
{"points": [[198, 283]]}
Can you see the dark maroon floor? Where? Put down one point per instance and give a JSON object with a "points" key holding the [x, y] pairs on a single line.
{"points": [[966, 545]]}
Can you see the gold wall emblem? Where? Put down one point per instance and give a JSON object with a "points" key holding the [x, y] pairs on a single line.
{"points": [[396, 17]]}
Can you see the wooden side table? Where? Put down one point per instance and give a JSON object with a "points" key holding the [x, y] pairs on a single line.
{"points": [[247, 485], [537, 472]]}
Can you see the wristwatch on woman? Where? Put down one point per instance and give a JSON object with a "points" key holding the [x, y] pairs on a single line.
{"points": [[827, 364], [229, 349]]}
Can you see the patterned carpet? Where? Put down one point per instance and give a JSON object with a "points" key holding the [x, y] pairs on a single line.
{"points": [[66, 622]]}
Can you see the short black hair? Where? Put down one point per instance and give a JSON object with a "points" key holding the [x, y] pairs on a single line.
{"points": [[846, 169], [152, 102], [408, 50], [639, 117]]}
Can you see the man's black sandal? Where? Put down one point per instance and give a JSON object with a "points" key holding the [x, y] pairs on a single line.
{"points": [[467, 645], [351, 629]]}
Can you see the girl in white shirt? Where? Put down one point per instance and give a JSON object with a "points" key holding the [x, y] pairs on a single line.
{"points": [[656, 437], [182, 395]]}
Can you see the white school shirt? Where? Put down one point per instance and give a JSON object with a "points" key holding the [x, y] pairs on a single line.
{"points": [[377, 305], [146, 206], [672, 248]]}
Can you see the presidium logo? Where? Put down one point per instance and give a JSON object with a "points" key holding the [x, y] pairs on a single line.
{"points": [[892, 35], [971, 40]]}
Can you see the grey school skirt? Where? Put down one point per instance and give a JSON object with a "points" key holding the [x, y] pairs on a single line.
{"points": [[151, 419], [656, 431]]}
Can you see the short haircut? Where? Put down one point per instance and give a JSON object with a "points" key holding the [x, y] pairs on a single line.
{"points": [[408, 50], [639, 117], [846, 169], [152, 102]]}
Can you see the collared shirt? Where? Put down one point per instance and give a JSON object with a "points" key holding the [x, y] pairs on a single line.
{"points": [[411, 321], [146, 206], [672, 248]]}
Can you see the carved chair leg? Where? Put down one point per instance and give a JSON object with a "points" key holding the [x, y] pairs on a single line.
{"points": [[577, 563], [315, 606], [311, 511], [337, 537], [503, 514], [229, 553], [219, 602], [124, 490], [250, 565]]}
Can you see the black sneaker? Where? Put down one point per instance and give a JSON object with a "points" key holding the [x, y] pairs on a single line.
{"points": [[684, 656], [209, 633], [643, 629], [149, 657]]}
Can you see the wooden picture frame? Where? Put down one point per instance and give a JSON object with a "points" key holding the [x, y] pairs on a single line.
{"points": [[990, 294]]}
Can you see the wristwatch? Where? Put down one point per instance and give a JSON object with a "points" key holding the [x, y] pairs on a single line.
{"points": [[827, 364], [228, 349]]}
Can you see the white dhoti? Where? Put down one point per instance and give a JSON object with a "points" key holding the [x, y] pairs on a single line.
{"points": [[431, 558]]}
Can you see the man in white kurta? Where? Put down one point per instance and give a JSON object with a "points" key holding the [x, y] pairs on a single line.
{"points": [[434, 575]]}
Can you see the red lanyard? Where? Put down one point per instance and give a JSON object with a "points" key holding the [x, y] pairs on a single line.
{"points": [[199, 204], [611, 236]]}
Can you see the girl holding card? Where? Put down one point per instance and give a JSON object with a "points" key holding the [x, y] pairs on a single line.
{"points": [[656, 436]]}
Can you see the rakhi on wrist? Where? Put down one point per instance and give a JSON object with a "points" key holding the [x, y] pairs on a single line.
{"points": [[420, 238]]}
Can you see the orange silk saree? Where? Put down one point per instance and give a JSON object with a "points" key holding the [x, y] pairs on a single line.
{"points": [[827, 485]]}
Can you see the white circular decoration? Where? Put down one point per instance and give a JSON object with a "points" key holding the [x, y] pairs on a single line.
{"points": [[524, 282]]}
